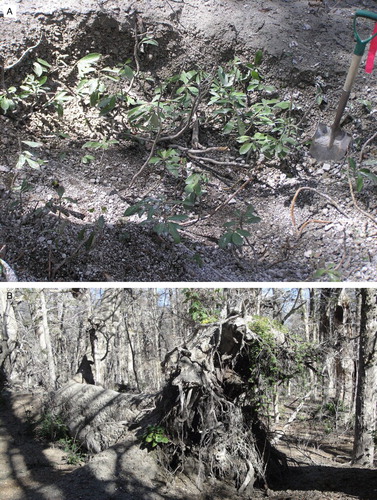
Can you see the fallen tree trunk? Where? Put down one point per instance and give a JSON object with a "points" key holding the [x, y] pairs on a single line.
{"points": [[98, 417]]}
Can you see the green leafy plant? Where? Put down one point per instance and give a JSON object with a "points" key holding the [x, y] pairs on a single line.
{"points": [[8, 99], [88, 63], [89, 238], [59, 100], [194, 188], [272, 132], [153, 436], [198, 310], [362, 174], [73, 450], [28, 158], [159, 211], [235, 231], [34, 84], [51, 427], [330, 272], [170, 158], [24, 187]]}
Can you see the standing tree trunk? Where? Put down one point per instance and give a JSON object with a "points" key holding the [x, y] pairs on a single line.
{"points": [[8, 336], [45, 340], [365, 423]]}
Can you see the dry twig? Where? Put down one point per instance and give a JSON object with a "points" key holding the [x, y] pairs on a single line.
{"points": [[365, 145]]}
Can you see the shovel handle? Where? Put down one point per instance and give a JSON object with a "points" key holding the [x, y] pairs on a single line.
{"points": [[361, 44]]}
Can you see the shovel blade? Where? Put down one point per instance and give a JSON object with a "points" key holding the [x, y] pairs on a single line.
{"points": [[327, 146]]}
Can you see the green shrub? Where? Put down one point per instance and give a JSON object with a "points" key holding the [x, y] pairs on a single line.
{"points": [[52, 428], [153, 436]]}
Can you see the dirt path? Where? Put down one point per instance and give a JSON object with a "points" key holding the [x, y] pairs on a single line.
{"points": [[28, 469]]}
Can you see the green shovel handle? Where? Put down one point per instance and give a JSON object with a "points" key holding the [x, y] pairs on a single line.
{"points": [[361, 44]]}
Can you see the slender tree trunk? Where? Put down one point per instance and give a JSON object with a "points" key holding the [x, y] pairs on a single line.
{"points": [[365, 422], [47, 341]]}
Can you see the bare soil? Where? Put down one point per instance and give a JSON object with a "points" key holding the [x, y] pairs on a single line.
{"points": [[307, 47], [318, 466]]}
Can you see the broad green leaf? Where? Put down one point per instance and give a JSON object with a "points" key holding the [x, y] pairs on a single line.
{"points": [[369, 175], [87, 159], [359, 183], [228, 127], [33, 163], [89, 58], [33, 144], [101, 222], [258, 57], [21, 161], [107, 104], [245, 148], [132, 210], [154, 160], [5, 103], [243, 232], [94, 97], [84, 65], [172, 227], [149, 41], [237, 239], [352, 163], [127, 72], [283, 105], [225, 240], [160, 228], [43, 62], [38, 69], [89, 242], [243, 138], [60, 190]]}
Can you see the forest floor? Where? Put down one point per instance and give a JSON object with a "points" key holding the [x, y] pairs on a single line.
{"points": [[84, 236], [29, 469]]}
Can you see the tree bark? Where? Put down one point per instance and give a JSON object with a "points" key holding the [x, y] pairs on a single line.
{"points": [[365, 422]]}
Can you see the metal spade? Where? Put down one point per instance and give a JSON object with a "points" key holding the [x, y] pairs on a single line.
{"points": [[331, 143]]}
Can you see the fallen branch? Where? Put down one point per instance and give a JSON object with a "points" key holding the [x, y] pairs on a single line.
{"points": [[291, 419], [216, 162]]}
